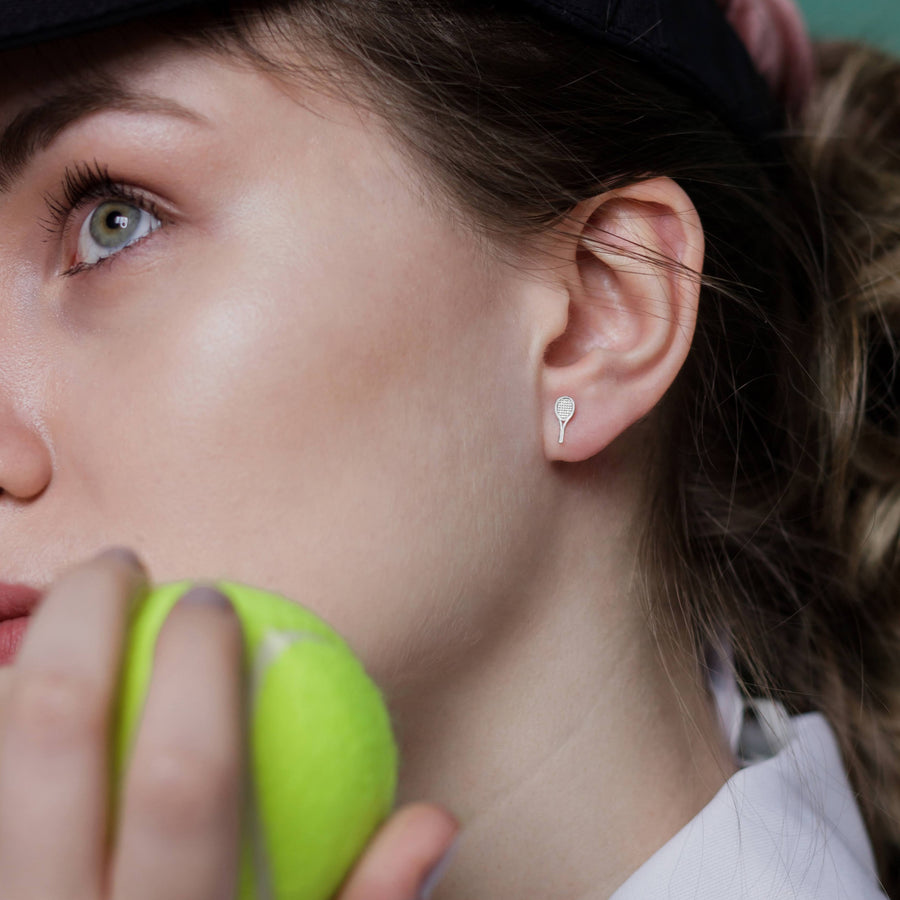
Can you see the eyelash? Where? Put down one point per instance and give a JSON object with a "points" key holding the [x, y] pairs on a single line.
{"points": [[82, 183]]}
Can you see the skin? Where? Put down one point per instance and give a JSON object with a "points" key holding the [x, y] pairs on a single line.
{"points": [[315, 378]]}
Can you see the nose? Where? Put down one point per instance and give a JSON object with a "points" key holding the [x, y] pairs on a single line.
{"points": [[25, 457]]}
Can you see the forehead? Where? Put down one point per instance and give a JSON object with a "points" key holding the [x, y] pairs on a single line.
{"points": [[40, 69], [134, 69], [46, 89], [239, 116], [38, 101], [136, 54]]}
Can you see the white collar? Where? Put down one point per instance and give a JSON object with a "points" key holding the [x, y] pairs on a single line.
{"points": [[786, 826]]}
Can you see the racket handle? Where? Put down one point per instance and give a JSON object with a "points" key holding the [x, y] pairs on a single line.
{"points": [[562, 431]]}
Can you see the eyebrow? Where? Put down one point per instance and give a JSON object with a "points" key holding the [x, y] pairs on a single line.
{"points": [[34, 129]]}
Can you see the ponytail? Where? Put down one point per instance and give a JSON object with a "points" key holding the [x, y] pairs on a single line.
{"points": [[850, 153]]}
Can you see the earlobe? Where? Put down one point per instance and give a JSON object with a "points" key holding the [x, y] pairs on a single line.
{"points": [[633, 286]]}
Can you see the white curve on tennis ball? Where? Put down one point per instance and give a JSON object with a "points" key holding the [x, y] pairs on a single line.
{"points": [[267, 652]]}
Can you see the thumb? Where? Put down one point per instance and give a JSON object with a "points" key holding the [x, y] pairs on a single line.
{"points": [[401, 862]]}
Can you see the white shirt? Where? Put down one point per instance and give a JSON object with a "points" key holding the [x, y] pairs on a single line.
{"points": [[786, 826]]}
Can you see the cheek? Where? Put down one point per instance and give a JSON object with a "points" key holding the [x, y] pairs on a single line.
{"points": [[320, 424]]}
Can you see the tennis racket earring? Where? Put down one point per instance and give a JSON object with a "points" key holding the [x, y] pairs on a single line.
{"points": [[565, 409]]}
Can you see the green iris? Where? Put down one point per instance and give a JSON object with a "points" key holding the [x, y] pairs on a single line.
{"points": [[114, 224]]}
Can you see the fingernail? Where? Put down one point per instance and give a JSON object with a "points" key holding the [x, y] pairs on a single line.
{"points": [[205, 595], [435, 875], [122, 554]]}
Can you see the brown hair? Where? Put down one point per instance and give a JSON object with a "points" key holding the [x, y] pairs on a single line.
{"points": [[776, 505]]}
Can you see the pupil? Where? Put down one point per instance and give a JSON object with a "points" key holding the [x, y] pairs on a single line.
{"points": [[116, 220]]}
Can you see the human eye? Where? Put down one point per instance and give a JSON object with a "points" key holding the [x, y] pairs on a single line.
{"points": [[122, 217]]}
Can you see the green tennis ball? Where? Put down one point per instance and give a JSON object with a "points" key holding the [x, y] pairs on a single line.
{"points": [[321, 756]]}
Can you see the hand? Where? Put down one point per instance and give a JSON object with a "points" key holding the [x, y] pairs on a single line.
{"points": [[178, 834]]}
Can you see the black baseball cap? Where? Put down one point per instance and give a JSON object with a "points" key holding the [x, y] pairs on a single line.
{"points": [[687, 42], [25, 22]]}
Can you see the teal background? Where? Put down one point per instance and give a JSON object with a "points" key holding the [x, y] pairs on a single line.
{"points": [[876, 21]]}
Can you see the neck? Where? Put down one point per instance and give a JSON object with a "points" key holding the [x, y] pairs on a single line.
{"points": [[567, 744]]}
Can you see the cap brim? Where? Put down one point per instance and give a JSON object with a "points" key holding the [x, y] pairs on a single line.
{"points": [[24, 22]]}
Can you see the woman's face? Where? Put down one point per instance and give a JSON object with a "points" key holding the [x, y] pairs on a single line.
{"points": [[293, 368]]}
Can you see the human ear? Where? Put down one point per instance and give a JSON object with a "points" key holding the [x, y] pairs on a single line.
{"points": [[631, 265]]}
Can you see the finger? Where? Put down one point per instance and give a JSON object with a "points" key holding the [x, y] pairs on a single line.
{"points": [[179, 835], [5, 686], [53, 761], [401, 860]]}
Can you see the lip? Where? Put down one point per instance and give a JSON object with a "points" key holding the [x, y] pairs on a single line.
{"points": [[12, 633], [17, 600]]}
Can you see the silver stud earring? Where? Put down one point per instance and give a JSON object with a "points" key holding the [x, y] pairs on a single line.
{"points": [[565, 409]]}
